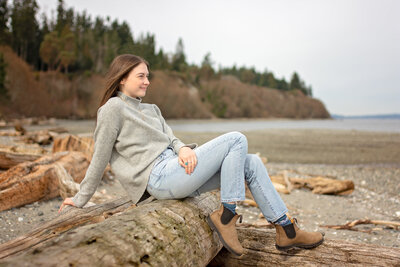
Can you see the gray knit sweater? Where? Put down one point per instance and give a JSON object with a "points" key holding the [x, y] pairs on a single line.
{"points": [[130, 135]]}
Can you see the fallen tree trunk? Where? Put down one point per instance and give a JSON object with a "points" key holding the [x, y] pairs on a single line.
{"points": [[32, 181], [261, 251], [9, 159], [71, 218], [160, 233], [11, 155]]}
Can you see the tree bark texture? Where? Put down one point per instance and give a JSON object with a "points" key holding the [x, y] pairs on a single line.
{"points": [[32, 181], [260, 251], [160, 233]]}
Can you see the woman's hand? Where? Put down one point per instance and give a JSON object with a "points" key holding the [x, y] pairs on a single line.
{"points": [[67, 201], [187, 159]]}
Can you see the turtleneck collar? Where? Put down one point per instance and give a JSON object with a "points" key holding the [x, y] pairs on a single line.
{"points": [[130, 100]]}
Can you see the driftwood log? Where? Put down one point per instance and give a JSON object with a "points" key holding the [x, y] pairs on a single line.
{"points": [[74, 143], [11, 155], [9, 159], [32, 181], [260, 251], [160, 233]]}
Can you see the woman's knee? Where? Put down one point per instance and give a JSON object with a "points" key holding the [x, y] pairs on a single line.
{"points": [[239, 137]]}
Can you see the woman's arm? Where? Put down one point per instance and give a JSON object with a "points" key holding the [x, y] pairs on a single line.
{"points": [[175, 142], [105, 135]]}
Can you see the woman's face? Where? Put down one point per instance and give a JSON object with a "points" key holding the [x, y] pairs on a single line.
{"points": [[136, 83]]}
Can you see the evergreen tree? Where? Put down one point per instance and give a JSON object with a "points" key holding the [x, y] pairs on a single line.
{"points": [[4, 16], [295, 82], [25, 30], [3, 65], [50, 50], [206, 70], [282, 85], [179, 58]]}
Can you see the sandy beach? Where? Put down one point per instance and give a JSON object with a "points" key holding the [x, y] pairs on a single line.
{"points": [[370, 159]]}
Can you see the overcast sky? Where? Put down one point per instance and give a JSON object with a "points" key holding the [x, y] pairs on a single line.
{"points": [[347, 50]]}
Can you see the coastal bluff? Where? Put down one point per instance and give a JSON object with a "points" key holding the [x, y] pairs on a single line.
{"points": [[34, 93]]}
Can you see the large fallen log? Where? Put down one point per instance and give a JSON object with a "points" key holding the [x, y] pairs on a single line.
{"points": [[160, 233], [32, 181], [260, 251]]}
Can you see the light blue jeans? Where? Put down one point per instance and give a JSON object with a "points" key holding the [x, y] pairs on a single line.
{"points": [[221, 163]]}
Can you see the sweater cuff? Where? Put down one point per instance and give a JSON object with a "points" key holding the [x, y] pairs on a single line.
{"points": [[178, 146], [79, 201]]}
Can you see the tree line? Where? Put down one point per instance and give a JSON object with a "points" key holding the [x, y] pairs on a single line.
{"points": [[76, 43]]}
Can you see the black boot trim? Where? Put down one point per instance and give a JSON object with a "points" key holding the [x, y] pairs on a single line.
{"points": [[290, 231], [227, 216]]}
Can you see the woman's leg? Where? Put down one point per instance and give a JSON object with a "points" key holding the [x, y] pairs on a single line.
{"points": [[225, 155], [260, 185], [267, 198]]}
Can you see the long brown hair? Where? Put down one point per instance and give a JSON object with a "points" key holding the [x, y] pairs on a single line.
{"points": [[118, 70]]}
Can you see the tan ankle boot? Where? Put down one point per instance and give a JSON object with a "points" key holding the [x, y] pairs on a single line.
{"points": [[226, 232], [291, 236]]}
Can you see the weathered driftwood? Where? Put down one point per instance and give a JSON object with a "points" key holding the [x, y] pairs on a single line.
{"points": [[318, 185], [32, 181], [351, 225], [10, 159], [260, 251], [69, 219], [82, 144], [68, 187], [74, 143], [12, 155], [42, 137], [34, 121], [160, 233]]}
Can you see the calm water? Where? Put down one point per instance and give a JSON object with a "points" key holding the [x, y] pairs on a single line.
{"points": [[371, 125]]}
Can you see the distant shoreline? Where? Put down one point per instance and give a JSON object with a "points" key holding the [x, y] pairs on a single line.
{"points": [[242, 124]]}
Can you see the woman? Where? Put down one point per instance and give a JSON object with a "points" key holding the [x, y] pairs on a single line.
{"points": [[146, 157]]}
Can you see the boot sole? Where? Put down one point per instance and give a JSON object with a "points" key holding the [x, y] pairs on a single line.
{"points": [[211, 224], [306, 246]]}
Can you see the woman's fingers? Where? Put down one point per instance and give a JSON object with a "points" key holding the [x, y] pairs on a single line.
{"points": [[67, 201], [189, 163], [61, 207]]}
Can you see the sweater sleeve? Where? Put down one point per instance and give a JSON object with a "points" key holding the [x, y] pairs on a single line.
{"points": [[175, 142], [105, 135]]}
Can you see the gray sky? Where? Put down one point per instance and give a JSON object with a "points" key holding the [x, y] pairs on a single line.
{"points": [[348, 50]]}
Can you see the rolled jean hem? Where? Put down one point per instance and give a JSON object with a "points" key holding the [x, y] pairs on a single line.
{"points": [[232, 199], [279, 216]]}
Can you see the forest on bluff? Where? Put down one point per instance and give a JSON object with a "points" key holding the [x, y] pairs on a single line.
{"points": [[67, 55]]}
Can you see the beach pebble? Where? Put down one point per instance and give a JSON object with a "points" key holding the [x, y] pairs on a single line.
{"points": [[40, 213], [20, 219], [398, 214]]}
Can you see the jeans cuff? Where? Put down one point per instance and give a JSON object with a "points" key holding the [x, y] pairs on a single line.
{"points": [[277, 217], [233, 199]]}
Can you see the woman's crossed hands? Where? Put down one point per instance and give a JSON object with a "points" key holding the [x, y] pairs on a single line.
{"points": [[187, 159]]}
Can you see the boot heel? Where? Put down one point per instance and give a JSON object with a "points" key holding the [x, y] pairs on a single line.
{"points": [[214, 228]]}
